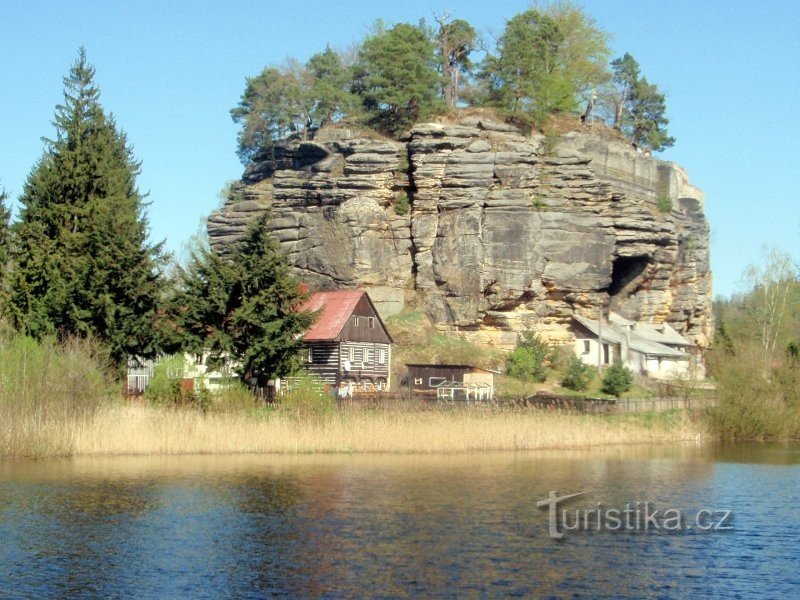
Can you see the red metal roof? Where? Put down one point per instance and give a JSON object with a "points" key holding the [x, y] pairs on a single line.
{"points": [[336, 310]]}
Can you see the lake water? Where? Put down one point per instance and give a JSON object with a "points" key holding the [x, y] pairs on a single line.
{"points": [[395, 526]]}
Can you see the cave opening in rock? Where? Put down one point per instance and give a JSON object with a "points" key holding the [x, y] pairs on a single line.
{"points": [[625, 271]]}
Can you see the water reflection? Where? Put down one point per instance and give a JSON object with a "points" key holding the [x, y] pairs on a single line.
{"points": [[393, 525]]}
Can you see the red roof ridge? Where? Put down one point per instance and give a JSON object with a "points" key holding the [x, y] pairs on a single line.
{"points": [[336, 307]]}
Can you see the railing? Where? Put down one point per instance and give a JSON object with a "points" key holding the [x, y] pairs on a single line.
{"points": [[613, 405], [660, 404]]}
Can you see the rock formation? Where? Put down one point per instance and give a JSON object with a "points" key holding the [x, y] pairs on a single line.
{"points": [[503, 232]]}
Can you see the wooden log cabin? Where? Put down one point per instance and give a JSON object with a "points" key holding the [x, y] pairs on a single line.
{"points": [[348, 344]]}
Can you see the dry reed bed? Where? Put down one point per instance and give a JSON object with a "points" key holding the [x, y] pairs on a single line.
{"points": [[133, 430]]}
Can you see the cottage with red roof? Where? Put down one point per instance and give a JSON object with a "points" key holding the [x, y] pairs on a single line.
{"points": [[348, 345]]}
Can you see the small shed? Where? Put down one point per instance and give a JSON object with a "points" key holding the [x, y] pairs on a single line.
{"points": [[465, 381]]}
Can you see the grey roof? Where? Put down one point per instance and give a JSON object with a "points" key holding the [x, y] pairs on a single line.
{"points": [[646, 338], [661, 333], [654, 348], [610, 333]]}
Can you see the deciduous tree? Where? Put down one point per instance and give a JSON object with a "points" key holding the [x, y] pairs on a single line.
{"points": [[546, 61], [528, 361], [292, 99]]}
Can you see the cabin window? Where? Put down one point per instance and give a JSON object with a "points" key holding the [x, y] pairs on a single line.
{"points": [[606, 353], [358, 355], [417, 380], [436, 381], [381, 356], [355, 320], [371, 322], [368, 355], [587, 346], [310, 356]]}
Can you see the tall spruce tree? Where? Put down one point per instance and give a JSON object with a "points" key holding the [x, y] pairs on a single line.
{"points": [[82, 262], [5, 216]]}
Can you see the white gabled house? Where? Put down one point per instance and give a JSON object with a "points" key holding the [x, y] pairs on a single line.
{"points": [[652, 349]]}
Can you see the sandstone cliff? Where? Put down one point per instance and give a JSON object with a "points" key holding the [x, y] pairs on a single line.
{"points": [[504, 231]]}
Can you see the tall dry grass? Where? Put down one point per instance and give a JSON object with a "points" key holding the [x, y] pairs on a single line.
{"points": [[47, 390], [148, 430], [56, 399]]}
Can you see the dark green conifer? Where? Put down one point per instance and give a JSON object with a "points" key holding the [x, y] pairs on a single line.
{"points": [[82, 262], [241, 309]]}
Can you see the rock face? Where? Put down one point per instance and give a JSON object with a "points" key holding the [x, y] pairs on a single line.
{"points": [[503, 231]]}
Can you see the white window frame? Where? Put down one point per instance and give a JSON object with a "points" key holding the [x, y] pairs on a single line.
{"points": [[381, 356], [371, 322], [355, 320], [417, 380], [440, 380]]}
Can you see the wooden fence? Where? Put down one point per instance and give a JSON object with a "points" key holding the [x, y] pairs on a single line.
{"points": [[613, 405], [600, 406]]}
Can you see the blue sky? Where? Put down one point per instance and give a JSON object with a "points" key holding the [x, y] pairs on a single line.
{"points": [[171, 71]]}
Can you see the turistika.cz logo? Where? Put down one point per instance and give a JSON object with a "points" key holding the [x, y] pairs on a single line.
{"points": [[635, 517]]}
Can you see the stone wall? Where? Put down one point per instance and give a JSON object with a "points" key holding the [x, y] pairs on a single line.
{"points": [[504, 232]]}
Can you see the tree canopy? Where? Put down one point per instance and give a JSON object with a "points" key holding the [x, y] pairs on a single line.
{"points": [[242, 309], [457, 39], [399, 78], [82, 263], [640, 109], [551, 58], [292, 99], [545, 61]]}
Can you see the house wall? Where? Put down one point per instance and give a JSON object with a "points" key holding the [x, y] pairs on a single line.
{"points": [[328, 362], [365, 330], [321, 359], [427, 377], [590, 357], [424, 378], [369, 368], [666, 367], [486, 377]]}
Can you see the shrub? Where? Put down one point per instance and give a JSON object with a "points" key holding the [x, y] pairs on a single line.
{"points": [[47, 390], [617, 380], [233, 399], [578, 374], [401, 203], [307, 397], [528, 361], [753, 404], [165, 385], [664, 204]]}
